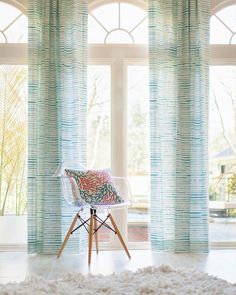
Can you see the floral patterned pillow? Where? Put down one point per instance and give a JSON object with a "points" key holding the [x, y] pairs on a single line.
{"points": [[95, 186]]}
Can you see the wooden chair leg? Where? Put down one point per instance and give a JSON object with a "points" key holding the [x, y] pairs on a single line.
{"points": [[90, 244], [119, 235], [68, 235], [96, 233]]}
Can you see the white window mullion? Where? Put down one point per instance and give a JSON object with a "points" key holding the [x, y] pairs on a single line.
{"points": [[119, 119]]}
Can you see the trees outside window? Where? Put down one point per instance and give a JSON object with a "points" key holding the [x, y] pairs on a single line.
{"points": [[222, 124], [13, 110]]}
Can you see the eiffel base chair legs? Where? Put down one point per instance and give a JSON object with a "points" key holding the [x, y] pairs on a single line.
{"points": [[92, 226]]}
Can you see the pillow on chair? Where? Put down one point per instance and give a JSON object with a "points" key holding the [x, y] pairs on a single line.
{"points": [[95, 186]]}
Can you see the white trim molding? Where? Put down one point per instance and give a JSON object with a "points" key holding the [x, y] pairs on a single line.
{"points": [[20, 4], [13, 53]]}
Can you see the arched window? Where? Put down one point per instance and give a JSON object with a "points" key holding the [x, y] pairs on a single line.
{"points": [[118, 103], [222, 123], [13, 108], [223, 26], [128, 24], [13, 24]]}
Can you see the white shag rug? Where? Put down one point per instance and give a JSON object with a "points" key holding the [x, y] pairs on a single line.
{"points": [[148, 281]]}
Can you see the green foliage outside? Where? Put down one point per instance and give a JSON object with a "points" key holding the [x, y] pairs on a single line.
{"points": [[13, 139], [232, 187]]}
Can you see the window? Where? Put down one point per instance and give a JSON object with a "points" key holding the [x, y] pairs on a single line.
{"points": [[222, 127], [13, 25], [223, 26], [118, 23], [99, 116], [118, 120], [13, 110]]}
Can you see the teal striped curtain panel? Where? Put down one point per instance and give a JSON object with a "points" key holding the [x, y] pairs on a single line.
{"points": [[57, 114], [178, 42]]}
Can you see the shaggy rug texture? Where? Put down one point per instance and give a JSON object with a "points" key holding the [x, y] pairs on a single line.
{"points": [[163, 280]]}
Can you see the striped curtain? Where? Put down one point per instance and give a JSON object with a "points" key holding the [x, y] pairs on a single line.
{"points": [[178, 42], [57, 114]]}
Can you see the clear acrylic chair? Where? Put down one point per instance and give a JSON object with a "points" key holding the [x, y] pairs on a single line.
{"points": [[94, 223]]}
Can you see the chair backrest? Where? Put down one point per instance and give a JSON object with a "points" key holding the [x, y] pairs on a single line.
{"points": [[69, 186], [71, 192], [122, 186]]}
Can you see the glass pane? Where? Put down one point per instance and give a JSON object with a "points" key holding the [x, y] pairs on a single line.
{"points": [[96, 34], [219, 34], [119, 36], [99, 125], [117, 21], [138, 151], [228, 16], [7, 14], [130, 16], [18, 31], [2, 38], [233, 40], [222, 153], [108, 15], [13, 138], [140, 34], [99, 118]]}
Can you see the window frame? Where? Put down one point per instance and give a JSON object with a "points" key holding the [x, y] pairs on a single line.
{"points": [[222, 55], [123, 55], [14, 53], [119, 56]]}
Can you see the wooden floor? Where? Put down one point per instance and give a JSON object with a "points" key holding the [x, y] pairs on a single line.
{"points": [[15, 266]]}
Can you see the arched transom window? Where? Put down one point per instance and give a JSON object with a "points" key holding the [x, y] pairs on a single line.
{"points": [[13, 24], [118, 22], [223, 26]]}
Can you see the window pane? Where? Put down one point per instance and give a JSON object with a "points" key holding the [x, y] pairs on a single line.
{"points": [[108, 15], [219, 34], [7, 14], [118, 23], [96, 34], [119, 36], [228, 16], [222, 108], [138, 150], [18, 31], [13, 24], [140, 34], [233, 40], [130, 15], [13, 138], [2, 38], [99, 125], [222, 153], [99, 119]]}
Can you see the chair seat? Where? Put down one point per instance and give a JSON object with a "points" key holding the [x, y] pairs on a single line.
{"points": [[110, 206]]}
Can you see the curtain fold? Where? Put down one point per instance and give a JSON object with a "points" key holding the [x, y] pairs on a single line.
{"points": [[56, 115], [178, 53]]}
